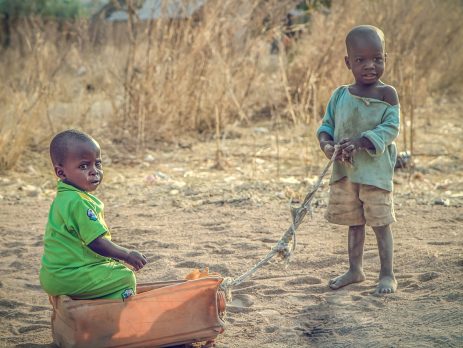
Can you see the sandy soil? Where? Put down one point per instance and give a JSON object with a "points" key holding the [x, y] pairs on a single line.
{"points": [[172, 205]]}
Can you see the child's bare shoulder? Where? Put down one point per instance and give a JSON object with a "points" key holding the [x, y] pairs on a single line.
{"points": [[390, 95]]}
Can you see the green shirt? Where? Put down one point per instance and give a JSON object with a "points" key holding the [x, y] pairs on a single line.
{"points": [[75, 219], [350, 116]]}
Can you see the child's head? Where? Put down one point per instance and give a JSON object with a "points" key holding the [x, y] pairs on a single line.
{"points": [[76, 158], [366, 54]]}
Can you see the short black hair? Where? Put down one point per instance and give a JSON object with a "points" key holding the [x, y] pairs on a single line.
{"points": [[60, 143], [364, 31]]}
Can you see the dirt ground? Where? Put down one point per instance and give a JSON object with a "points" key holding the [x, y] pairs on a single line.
{"points": [[173, 205]]}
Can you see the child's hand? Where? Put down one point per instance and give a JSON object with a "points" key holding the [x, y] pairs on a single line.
{"points": [[327, 147], [136, 260], [350, 145]]}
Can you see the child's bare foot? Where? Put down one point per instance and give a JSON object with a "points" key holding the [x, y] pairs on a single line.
{"points": [[386, 285], [347, 278]]}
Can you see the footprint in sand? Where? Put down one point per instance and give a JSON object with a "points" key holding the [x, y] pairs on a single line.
{"points": [[272, 292], [324, 262], [439, 243], [271, 329], [194, 253], [216, 226], [314, 332], [307, 280], [244, 246], [240, 303], [318, 332], [223, 251], [297, 299], [166, 245], [319, 288], [268, 240], [426, 277], [269, 315], [26, 329]]}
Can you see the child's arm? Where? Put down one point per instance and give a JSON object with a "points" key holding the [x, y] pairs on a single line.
{"points": [[105, 247], [325, 132]]}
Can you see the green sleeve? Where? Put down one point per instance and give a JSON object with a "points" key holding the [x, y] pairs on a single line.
{"points": [[87, 221], [385, 133], [327, 125]]}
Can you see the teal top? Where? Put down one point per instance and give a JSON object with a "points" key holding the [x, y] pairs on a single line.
{"points": [[349, 116]]}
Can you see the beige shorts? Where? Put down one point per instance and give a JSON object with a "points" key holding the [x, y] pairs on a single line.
{"points": [[357, 204]]}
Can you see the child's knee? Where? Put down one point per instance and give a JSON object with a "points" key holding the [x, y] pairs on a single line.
{"points": [[128, 278]]}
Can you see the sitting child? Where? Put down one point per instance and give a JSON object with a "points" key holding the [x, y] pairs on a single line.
{"points": [[79, 259]]}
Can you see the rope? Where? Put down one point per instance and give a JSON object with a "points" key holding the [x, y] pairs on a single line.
{"points": [[282, 248]]}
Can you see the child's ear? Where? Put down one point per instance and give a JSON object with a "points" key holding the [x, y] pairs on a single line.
{"points": [[59, 171], [346, 60]]}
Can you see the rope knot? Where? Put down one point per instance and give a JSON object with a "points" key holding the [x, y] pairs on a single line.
{"points": [[226, 287]]}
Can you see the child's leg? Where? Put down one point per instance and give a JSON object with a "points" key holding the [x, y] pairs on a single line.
{"points": [[110, 281], [356, 240], [387, 282]]}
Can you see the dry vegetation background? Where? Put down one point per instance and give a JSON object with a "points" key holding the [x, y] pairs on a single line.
{"points": [[137, 82]]}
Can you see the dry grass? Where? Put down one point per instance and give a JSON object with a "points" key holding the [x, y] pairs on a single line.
{"points": [[154, 80]]}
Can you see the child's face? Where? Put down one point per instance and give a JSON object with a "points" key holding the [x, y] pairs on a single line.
{"points": [[82, 167], [366, 59]]}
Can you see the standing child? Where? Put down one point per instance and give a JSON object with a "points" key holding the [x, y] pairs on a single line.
{"points": [[363, 119], [79, 259]]}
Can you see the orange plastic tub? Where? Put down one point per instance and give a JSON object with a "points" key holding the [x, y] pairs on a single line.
{"points": [[160, 315]]}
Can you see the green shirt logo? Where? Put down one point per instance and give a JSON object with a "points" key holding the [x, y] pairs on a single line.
{"points": [[91, 215]]}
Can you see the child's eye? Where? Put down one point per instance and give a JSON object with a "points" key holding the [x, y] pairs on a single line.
{"points": [[83, 166], [378, 59], [358, 60], [98, 164]]}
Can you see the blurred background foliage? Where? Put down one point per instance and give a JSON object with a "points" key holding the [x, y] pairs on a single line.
{"points": [[139, 71], [59, 9]]}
